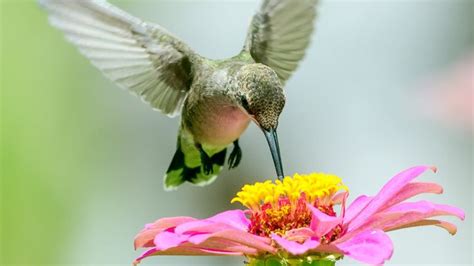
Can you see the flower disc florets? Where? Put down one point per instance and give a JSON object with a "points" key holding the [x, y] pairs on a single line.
{"points": [[280, 206]]}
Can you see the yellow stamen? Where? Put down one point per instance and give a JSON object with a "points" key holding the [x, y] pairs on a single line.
{"points": [[315, 186]]}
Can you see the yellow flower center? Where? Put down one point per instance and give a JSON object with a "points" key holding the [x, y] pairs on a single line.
{"points": [[316, 187], [280, 206]]}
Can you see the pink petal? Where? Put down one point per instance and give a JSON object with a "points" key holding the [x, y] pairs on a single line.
{"points": [[230, 225], [427, 208], [199, 238], [166, 240], [145, 254], [356, 207], [451, 228], [293, 247], [185, 250], [192, 251], [322, 223], [146, 236], [299, 234], [376, 222], [168, 222], [234, 218], [339, 198], [413, 189], [247, 239], [371, 247], [144, 239], [224, 245], [201, 226], [237, 236], [412, 212], [209, 247], [401, 215], [395, 185]]}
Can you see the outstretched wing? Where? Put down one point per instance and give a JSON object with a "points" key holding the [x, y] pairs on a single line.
{"points": [[280, 33], [141, 57]]}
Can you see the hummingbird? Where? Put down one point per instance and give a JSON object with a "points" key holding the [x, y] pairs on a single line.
{"points": [[217, 99]]}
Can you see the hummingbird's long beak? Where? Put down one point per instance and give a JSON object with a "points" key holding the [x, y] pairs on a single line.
{"points": [[272, 139]]}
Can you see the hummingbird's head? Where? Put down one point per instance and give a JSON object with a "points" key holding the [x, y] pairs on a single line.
{"points": [[261, 96]]}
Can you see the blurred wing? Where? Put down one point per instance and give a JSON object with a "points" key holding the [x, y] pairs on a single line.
{"points": [[280, 33], [141, 57]]}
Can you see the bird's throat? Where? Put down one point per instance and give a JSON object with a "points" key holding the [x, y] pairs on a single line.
{"points": [[218, 125]]}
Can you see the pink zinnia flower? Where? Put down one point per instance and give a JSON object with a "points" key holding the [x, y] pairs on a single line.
{"points": [[294, 220]]}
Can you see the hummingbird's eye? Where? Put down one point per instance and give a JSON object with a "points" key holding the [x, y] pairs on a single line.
{"points": [[245, 103]]}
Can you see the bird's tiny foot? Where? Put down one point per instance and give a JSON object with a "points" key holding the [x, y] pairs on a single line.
{"points": [[206, 161], [206, 164], [235, 155]]}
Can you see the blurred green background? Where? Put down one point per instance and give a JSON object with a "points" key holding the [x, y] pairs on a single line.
{"points": [[82, 161]]}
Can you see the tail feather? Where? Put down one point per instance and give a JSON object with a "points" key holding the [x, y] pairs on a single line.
{"points": [[186, 166]]}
